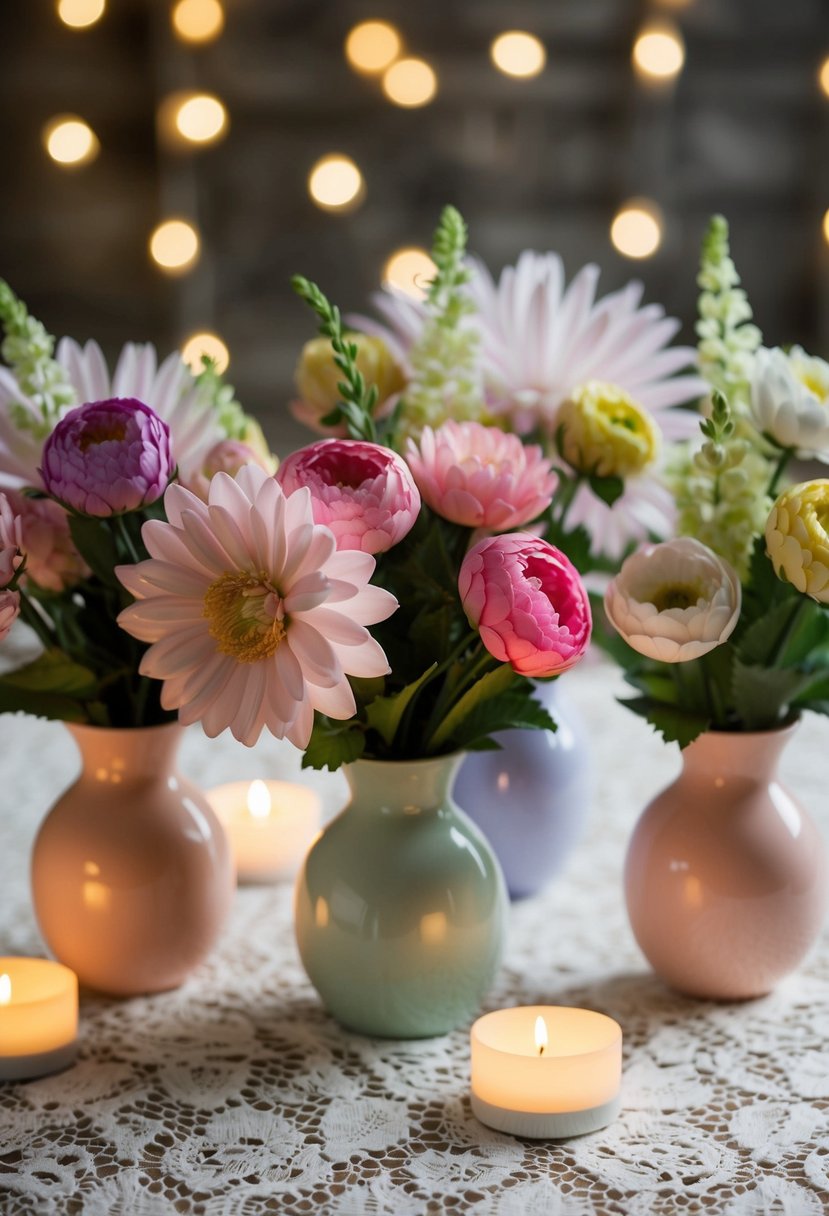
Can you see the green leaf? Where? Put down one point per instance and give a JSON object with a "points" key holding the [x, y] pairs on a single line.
{"points": [[674, 724], [53, 672], [608, 489], [333, 743], [94, 540], [384, 714], [511, 711], [493, 684], [762, 695], [40, 704], [366, 688]]}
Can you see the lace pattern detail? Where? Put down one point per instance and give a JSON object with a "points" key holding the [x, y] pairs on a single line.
{"points": [[237, 1095]]}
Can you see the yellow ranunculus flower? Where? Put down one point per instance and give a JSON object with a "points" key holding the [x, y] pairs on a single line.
{"points": [[254, 437], [317, 375], [797, 537], [604, 432]]}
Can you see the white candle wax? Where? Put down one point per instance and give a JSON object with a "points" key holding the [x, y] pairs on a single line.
{"points": [[564, 1087], [270, 825], [38, 1017]]}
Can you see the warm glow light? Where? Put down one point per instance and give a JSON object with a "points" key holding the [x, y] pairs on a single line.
{"points": [[517, 53], [259, 800], [202, 118], [823, 76], [174, 245], [78, 14], [826, 227], [410, 82], [636, 230], [659, 52], [372, 45], [198, 20], [410, 270], [335, 182], [205, 344], [70, 141], [541, 1037], [5, 989]]}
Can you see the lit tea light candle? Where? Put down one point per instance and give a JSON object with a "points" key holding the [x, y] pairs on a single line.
{"points": [[38, 1018], [546, 1071], [270, 825]]}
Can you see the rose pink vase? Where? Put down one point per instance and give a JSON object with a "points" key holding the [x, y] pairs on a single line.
{"points": [[726, 876], [131, 872]]}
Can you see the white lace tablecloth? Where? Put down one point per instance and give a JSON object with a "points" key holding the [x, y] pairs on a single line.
{"points": [[237, 1095]]}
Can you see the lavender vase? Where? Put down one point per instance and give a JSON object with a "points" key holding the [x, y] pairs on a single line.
{"points": [[531, 798]]}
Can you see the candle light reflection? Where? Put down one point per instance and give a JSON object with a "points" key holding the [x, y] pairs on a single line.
{"points": [[5, 989], [259, 800]]}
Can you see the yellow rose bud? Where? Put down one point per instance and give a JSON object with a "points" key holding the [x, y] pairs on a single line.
{"points": [[605, 433], [254, 437], [317, 375], [797, 537]]}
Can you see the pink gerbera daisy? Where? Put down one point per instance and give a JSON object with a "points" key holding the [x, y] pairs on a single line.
{"points": [[254, 617]]}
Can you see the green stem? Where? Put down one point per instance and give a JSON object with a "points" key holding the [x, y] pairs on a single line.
{"points": [[779, 648], [565, 500], [33, 618], [779, 470], [453, 690]]}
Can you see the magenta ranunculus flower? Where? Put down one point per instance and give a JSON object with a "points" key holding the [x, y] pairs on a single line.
{"points": [[528, 603], [480, 476], [363, 492], [108, 457]]}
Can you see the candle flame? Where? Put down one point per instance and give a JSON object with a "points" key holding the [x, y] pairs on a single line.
{"points": [[259, 800], [5, 989], [541, 1039]]}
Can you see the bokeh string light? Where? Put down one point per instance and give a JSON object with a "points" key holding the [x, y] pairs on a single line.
{"points": [[659, 52], [201, 118], [372, 45], [519, 54], [410, 83], [636, 230], [335, 183], [823, 76], [70, 141], [209, 344], [80, 14], [175, 246], [409, 270], [198, 20]]}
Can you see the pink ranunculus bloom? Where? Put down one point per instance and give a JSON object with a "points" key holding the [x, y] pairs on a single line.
{"points": [[108, 457], [254, 619], [9, 611], [363, 492], [480, 476], [52, 561], [11, 541], [226, 456], [528, 603]]}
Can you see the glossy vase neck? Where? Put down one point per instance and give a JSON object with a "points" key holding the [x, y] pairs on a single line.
{"points": [[113, 755], [401, 787], [736, 755]]}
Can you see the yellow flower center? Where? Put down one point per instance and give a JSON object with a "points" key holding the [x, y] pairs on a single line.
{"points": [[676, 595], [245, 616], [814, 383], [604, 432]]}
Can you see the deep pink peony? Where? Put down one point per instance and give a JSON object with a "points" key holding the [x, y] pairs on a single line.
{"points": [[11, 541], [528, 603], [481, 477], [107, 457], [363, 492]]}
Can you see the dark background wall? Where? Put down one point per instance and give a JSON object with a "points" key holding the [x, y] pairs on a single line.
{"points": [[541, 163]]}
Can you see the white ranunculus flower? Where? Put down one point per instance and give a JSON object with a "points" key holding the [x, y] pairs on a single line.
{"points": [[674, 601], [790, 400]]}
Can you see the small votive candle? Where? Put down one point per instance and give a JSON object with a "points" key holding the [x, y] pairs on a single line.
{"points": [[270, 825], [546, 1071], [38, 1018]]}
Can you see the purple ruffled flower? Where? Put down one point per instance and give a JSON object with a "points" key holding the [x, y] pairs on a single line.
{"points": [[108, 457]]}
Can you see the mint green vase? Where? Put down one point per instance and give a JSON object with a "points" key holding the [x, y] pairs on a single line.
{"points": [[401, 904]]}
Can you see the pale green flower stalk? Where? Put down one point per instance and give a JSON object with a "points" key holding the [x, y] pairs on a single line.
{"points": [[727, 339], [446, 380], [27, 348], [220, 399], [722, 492]]}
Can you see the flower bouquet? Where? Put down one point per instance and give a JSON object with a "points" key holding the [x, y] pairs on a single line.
{"points": [[725, 635]]}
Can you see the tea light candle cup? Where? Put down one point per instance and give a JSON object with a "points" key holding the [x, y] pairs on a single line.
{"points": [[546, 1071], [270, 825], [38, 1018]]}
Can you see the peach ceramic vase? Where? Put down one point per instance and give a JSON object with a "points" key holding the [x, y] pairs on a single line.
{"points": [[131, 871], [726, 875]]}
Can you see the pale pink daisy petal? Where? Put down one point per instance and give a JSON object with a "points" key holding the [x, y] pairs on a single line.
{"points": [[241, 644]]}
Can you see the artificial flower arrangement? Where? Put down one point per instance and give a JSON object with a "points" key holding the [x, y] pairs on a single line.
{"points": [[725, 626], [85, 459], [394, 588]]}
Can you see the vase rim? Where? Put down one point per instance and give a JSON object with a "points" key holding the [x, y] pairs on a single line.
{"points": [[418, 760], [89, 728], [785, 728]]}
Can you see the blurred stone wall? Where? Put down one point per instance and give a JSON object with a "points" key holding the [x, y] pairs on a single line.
{"points": [[541, 163]]}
